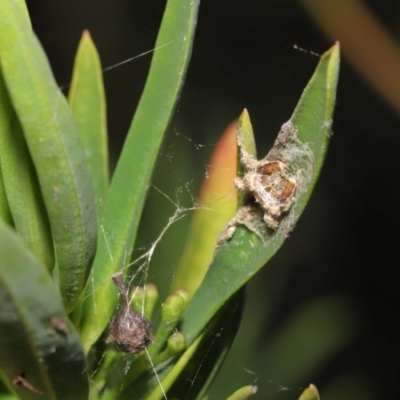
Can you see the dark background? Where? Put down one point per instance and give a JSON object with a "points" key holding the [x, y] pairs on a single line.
{"points": [[325, 309]]}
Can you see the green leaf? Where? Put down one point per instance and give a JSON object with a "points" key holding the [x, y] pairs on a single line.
{"points": [[245, 133], [88, 103], [239, 259], [7, 397], [244, 393], [205, 364], [158, 389], [55, 148], [21, 184], [5, 213], [217, 205], [310, 393], [40, 352], [121, 214], [7, 389], [245, 137]]}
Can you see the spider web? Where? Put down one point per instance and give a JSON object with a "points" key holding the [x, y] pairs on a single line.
{"points": [[152, 262]]}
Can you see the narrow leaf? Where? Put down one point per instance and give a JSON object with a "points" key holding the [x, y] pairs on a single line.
{"points": [[88, 104], [208, 359], [241, 257], [5, 213], [55, 148], [121, 213], [159, 390], [40, 352], [196, 368], [244, 137], [310, 393], [21, 184], [245, 133], [217, 205], [244, 393], [8, 396]]}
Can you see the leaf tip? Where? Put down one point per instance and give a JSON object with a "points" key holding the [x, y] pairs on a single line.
{"points": [[244, 116], [86, 39], [310, 393], [86, 34], [333, 52], [245, 134]]}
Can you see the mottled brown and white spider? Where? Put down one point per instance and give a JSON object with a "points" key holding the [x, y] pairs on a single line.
{"points": [[272, 187]]}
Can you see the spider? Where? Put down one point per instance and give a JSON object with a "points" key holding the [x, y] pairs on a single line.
{"points": [[130, 331], [272, 187]]}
